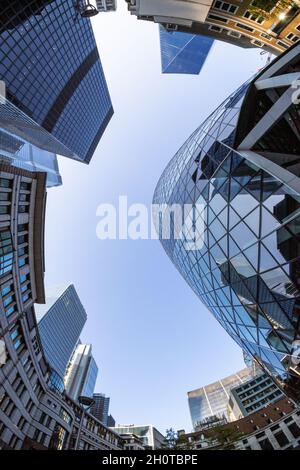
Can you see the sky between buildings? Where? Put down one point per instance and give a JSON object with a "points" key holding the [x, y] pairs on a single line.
{"points": [[152, 338]]}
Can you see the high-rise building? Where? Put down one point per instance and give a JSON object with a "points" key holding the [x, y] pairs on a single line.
{"points": [[273, 27], [111, 422], [210, 402], [149, 436], [252, 396], [60, 322], [183, 52], [53, 73], [239, 246], [100, 408], [81, 373]]}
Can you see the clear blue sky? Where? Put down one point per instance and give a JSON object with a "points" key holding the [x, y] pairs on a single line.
{"points": [[152, 338]]}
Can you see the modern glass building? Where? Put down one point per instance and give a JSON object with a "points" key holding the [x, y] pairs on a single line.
{"points": [[82, 373], [237, 176], [100, 407], [53, 73], [60, 322], [210, 403], [183, 52]]}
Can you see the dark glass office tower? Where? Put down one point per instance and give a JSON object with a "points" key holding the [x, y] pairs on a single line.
{"points": [[237, 182], [183, 52], [60, 323], [100, 408], [53, 73]]}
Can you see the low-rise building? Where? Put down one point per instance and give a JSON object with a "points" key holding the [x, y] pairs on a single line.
{"points": [[237, 22], [150, 437]]}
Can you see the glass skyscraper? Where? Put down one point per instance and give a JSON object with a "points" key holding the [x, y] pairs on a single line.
{"points": [[60, 322], [237, 177], [82, 373], [183, 52], [53, 73], [211, 401]]}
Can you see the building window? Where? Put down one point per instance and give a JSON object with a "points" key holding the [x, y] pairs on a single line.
{"points": [[215, 28], [217, 18], [25, 186], [266, 36], [292, 37], [234, 34], [245, 27], [294, 429], [265, 444], [17, 337], [281, 439], [257, 43], [65, 416], [6, 251], [5, 183], [225, 6], [254, 17], [283, 44]]}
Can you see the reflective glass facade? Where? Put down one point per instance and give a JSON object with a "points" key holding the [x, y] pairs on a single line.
{"points": [[82, 373], [22, 154], [60, 323], [246, 270], [53, 73], [212, 400], [182, 52]]}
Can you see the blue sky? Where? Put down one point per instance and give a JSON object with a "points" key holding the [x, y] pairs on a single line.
{"points": [[152, 338]]}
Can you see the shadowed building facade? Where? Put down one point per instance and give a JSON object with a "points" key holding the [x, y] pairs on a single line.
{"points": [[239, 247]]}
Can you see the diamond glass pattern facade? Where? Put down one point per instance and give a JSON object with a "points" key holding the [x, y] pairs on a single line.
{"points": [[53, 73], [241, 168]]}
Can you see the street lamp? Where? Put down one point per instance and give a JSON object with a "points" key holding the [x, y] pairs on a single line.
{"points": [[85, 404], [86, 8]]}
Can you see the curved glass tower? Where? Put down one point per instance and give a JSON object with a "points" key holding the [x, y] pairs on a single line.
{"points": [[238, 174]]}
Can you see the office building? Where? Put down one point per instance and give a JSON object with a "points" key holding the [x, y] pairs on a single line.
{"points": [[183, 52], [209, 404], [53, 73], [251, 396], [33, 412], [111, 422], [100, 409], [237, 22], [60, 322], [81, 374], [149, 436], [238, 248]]}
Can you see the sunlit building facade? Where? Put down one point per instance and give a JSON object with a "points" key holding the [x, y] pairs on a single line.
{"points": [[209, 404], [239, 245], [183, 52], [236, 22], [81, 373]]}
